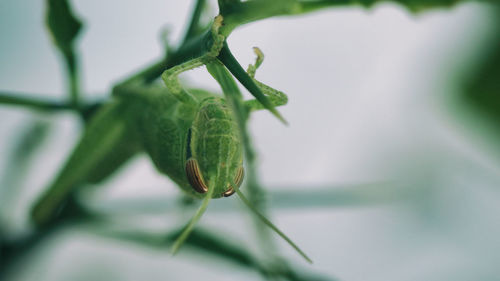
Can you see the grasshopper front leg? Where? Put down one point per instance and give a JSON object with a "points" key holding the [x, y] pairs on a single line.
{"points": [[277, 98], [171, 75]]}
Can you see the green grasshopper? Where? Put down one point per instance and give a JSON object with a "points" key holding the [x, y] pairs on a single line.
{"points": [[191, 136]]}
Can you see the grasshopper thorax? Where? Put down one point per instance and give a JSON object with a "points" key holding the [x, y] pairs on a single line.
{"points": [[214, 150]]}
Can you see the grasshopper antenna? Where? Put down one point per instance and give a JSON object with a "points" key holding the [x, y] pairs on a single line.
{"points": [[270, 224], [189, 227]]}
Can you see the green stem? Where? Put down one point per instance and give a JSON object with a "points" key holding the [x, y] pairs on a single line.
{"points": [[43, 104], [32, 102], [71, 62], [148, 74]]}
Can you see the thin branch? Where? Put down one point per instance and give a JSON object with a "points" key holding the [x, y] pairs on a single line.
{"points": [[147, 74], [292, 197], [43, 104], [47, 105], [73, 78]]}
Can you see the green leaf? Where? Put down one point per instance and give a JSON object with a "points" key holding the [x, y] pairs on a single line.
{"points": [[194, 27], [62, 24], [481, 88], [24, 149], [64, 28]]}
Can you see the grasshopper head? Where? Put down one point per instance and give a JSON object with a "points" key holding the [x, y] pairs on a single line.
{"points": [[214, 151]]}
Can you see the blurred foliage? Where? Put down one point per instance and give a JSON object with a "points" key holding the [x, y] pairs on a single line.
{"points": [[209, 243], [63, 25], [22, 154], [64, 28], [30, 138], [237, 13], [482, 88], [418, 5], [482, 91], [331, 196]]}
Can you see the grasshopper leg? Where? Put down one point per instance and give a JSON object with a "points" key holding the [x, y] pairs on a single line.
{"points": [[276, 97], [171, 75]]}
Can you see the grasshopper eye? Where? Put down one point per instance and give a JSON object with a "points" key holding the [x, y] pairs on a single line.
{"points": [[237, 180], [194, 176]]}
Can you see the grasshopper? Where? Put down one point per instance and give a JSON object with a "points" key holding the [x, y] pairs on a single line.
{"points": [[191, 136]]}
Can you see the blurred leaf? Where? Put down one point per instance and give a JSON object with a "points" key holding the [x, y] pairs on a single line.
{"points": [[63, 25], [21, 155], [14, 251], [412, 5], [24, 149], [64, 28], [305, 197], [482, 89], [31, 138], [194, 28]]}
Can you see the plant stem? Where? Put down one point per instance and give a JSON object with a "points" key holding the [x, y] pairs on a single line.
{"points": [[46, 105], [71, 61], [32, 102]]}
